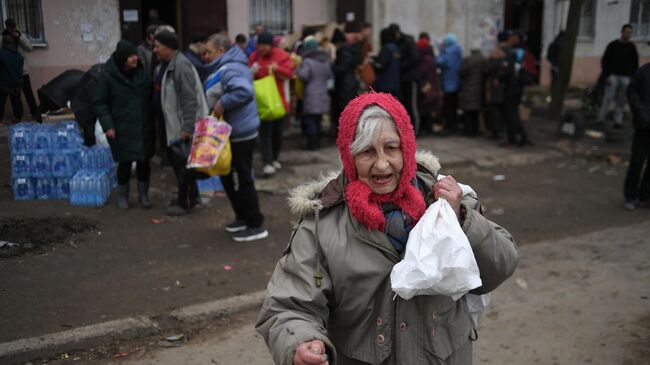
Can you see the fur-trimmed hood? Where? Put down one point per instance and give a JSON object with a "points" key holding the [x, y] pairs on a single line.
{"points": [[308, 197]]}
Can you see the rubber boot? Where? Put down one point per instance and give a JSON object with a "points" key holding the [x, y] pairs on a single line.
{"points": [[123, 196], [143, 194]]}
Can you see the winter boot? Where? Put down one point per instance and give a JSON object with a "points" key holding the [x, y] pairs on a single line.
{"points": [[123, 196], [143, 191]]}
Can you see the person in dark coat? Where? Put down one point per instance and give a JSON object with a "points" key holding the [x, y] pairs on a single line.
{"points": [[553, 55], [315, 72], [471, 90], [11, 76], [346, 85], [387, 65], [449, 60], [638, 96], [498, 71], [123, 106], [429, 92], [409, 73], [83, 103]]}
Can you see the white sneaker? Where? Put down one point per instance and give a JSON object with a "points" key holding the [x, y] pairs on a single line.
{"points": [[277, 165], [268, 170]]}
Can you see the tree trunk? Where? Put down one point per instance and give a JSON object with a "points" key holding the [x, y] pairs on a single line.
{"points": [[566, 59]]}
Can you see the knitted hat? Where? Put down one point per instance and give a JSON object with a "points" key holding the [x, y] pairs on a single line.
{"points": [[265, 38], [124, 50], [365, 205], [168, 39], [503, 36], [310, 44]]}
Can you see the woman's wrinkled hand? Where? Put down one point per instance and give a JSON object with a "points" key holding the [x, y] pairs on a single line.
{"points": [[310, 353], [448, 188]]}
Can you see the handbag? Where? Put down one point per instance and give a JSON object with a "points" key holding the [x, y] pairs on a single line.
{"points": [[269, 100], [211, 152], [367, 73]]}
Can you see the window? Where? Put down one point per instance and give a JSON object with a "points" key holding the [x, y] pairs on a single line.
{"points": [[29, 17], [640, 18], [274, 15], [587, 20]]}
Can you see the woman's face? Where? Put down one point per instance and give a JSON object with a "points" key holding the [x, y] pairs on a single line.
{"points": [[380, 165]]}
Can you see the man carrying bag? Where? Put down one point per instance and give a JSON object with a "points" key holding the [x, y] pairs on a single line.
{"points": [[230, 93]]}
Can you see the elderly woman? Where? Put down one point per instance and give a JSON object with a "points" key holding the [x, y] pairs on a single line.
{"points": [[329, 299]]}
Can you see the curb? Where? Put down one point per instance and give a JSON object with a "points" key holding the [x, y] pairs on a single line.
{"points": [[129, 328]]}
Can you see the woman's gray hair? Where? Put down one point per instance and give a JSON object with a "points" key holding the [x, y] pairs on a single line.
{"points": [[220, 41], [371, 122]]}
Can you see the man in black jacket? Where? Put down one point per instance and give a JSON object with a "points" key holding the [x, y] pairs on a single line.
{"points": [[619, 63], [638, 95], [409, 75]]}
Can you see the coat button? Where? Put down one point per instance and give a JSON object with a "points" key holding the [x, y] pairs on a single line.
{"points": [[380, 322], [434, 316], [433, 332], [380, 339], [402, 326]]}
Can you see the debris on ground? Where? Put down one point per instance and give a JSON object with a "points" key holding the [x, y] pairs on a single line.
{"points": [[172, 341], [523, 284], [499, 177], [157, 220], [127, 353], [614, 159], [26, 234], [228, 267]]}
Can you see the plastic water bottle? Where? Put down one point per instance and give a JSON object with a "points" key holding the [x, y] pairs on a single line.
{"points": [[41, 164], [42, 138], [23, 188], [44, 188], [21, 165], [20, 137]]}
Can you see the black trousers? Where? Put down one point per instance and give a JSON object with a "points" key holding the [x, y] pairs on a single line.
{"points": [[29, 97], [142, 170], [271, 139], [16, 103], [409, 98], [639, 157], [471, 122], [450, 111], [514, 126], [239, 184], [188, 191], [496, 118]]}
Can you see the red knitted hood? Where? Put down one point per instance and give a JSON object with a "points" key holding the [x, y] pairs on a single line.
{"points": [[364, 205]]}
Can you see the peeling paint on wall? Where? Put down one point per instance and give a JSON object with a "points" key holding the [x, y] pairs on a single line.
{"points": [[78, 32]]}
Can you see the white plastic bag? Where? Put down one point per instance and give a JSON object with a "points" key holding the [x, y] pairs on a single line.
{"points": [[100, 136], [476, 304], [438, 258]]}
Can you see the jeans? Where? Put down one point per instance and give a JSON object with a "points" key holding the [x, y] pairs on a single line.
{"points": [[142, 169], [496, 118], [239, 184], [639, 157], [29, 97], [16, 103], [471, 122], [615, 88], [514, 126], [271, 139]]}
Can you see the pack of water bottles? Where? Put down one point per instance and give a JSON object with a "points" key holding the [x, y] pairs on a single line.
{"points": [[91, 185], [45, 159]]}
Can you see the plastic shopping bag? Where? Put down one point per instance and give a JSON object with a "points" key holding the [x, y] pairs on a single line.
{"points": [[210, 152], [269, 100], [438, 258], [100, 136], [476, 304]]}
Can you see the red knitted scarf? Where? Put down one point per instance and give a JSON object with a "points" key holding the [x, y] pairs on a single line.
{"points": [[364, 205]]}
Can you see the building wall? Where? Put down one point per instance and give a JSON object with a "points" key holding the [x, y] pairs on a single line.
{"points": [[79, 33], [238, 18], [610, 17], [475, 23]]}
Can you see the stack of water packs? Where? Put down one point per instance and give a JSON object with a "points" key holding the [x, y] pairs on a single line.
{"points": [[46, 159]]}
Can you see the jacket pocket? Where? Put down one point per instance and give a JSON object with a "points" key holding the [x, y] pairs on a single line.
{"points": [[447, 330]]}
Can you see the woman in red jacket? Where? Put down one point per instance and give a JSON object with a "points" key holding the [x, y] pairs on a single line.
{"points": [[264, 60]]}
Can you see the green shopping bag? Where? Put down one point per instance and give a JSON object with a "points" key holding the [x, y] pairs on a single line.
{"points": [[269, 100]]}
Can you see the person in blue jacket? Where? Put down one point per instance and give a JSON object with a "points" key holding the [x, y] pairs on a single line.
{"points": [[449, 61], [229, 92]]}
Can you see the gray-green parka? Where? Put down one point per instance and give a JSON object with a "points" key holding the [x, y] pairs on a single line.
{"points": [[354, 311]]}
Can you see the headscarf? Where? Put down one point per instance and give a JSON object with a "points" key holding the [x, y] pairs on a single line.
{"points": [[364, 205]]}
